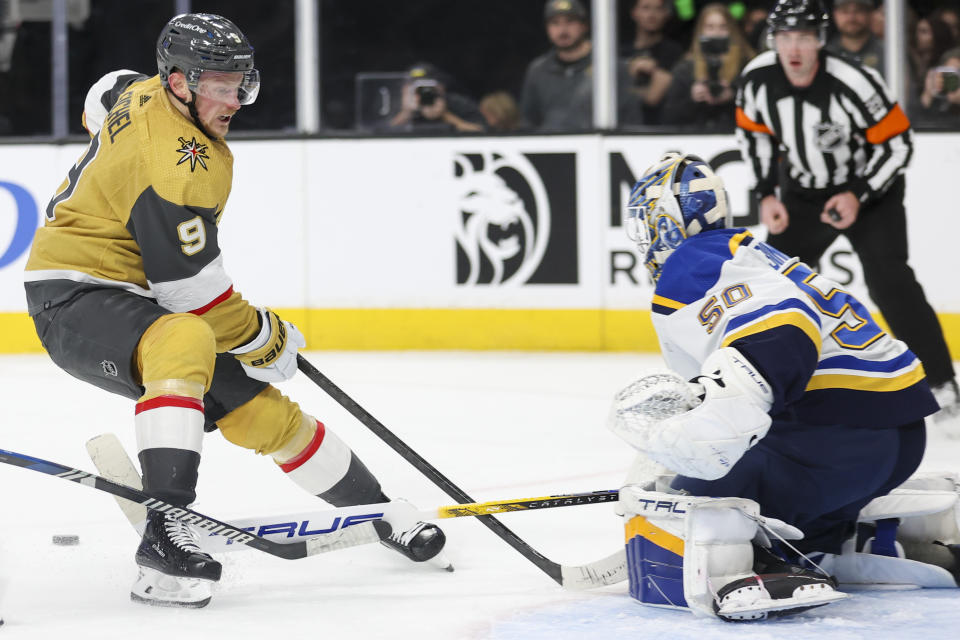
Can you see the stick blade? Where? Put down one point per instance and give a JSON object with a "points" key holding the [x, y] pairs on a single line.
{"points": [[113, 463]]}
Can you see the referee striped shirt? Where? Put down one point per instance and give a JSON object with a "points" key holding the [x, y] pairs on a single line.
{"points": [[843, 132]]}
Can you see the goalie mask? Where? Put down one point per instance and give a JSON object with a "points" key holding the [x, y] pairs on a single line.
{"points": [[675, 199]]}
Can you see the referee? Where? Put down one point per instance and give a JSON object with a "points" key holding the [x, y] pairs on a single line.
{"points": [[843, 145]]}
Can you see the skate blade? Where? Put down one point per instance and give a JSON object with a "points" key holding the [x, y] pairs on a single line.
{"points": [[441, 561], [160, 590]]}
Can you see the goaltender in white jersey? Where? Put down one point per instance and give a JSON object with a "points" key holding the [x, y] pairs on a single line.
{"points": [[787, 414]]}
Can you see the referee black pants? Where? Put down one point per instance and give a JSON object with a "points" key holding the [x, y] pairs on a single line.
{"points": [[879, 236]]}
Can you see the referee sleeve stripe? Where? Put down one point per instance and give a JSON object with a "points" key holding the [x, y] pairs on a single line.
{"points": [[892, 124], [744, 122]]}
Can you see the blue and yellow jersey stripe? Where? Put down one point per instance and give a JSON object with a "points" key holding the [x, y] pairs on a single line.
{"points": [[790, 312]]}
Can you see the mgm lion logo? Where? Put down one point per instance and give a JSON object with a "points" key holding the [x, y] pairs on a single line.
{"points": [[504, 218]]}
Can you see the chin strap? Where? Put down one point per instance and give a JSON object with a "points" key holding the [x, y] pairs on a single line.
{"points": [[192, 108]]}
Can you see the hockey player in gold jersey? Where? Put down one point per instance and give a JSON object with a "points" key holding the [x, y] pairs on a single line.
{"points": [[127, 288]]}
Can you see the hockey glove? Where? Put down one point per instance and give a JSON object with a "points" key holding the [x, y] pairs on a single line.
{"points": [[708, 440], [272, 354]]}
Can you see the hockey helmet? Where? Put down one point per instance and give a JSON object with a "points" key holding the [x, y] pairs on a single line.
{"points": [[797, 15], [196, 42], [678, 197]]}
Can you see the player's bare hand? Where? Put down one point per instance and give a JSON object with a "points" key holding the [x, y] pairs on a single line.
{"points": [[841, 210], [774, 215]]}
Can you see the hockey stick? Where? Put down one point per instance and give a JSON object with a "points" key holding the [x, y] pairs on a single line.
{"points": [[609, 570], [113, 462], [364, 533]]}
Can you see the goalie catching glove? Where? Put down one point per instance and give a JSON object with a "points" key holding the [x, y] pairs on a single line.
{"points": [[702, 428], [272, 354]]}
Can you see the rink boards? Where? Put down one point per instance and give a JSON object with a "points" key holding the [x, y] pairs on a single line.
{"points": [[461, 243]]}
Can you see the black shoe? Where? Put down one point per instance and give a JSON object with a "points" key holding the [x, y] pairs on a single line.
{"points": [[420, 542], [173, 569]]}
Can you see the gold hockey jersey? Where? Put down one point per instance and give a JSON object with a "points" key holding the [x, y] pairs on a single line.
{"points": [[139, 211]]}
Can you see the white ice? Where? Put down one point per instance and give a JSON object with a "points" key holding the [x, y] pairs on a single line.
{"points": [[499, 425]]}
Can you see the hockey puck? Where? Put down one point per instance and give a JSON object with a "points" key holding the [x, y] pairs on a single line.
{"points": [[66, 540]]}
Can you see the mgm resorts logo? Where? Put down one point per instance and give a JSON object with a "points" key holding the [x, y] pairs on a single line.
{"points": [[517, 218]]}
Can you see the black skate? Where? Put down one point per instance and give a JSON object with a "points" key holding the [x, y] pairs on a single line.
{"points": [[778, 588], [421, 542], [174, 572]]}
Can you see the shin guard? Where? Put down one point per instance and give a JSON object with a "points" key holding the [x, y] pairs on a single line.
{"points": [[326, 467], [169, 427]]}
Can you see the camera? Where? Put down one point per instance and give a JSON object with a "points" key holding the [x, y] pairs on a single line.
{"points": [[714, 86], [714, 46], [951, 79], [426, 92]]}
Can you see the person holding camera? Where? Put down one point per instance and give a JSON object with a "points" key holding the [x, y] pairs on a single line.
{"points": [[939, 102], [702, 92], [429, 107], [826, 133]]}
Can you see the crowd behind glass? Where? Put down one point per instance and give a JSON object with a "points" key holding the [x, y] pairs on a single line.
{"points": [[501, 66]]}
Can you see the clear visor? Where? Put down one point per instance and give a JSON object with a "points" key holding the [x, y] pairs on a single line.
{"points": [[228, 87]]}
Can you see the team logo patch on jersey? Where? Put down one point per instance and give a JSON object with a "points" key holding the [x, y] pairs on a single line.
{"points": [[193, 151], [109, 368], [829, 136]]}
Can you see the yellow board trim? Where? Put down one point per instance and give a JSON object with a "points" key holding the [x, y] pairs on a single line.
{"points": [[468, 329], [794, 318], [640, 526]]}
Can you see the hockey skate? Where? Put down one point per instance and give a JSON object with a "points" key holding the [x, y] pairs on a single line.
{"points": [[174, 572], [775, 582], [421, 542]]}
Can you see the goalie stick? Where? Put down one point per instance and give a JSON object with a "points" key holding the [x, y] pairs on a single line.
{"points": [[113, 462], [608, 570], [364, 533]]}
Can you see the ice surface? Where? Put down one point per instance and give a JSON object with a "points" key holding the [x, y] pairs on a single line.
{"points": [[499, 425]]}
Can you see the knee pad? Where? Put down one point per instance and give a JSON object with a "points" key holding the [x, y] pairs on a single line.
{"points": [[177, 346], [697, 553]]}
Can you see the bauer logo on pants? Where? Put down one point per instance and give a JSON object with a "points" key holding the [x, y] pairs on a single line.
{"points": [[516, 218]]}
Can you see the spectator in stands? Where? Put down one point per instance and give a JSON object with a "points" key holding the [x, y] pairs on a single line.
{"points": [[939, 103], [878, 23], [950, 15], [500, 111], [702, 92], [651, 55], [558, 86], [929, 40], [754, 23], [854, 39], [429, 107]]}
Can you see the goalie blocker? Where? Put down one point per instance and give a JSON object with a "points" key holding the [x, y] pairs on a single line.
{"points": [[702, 554]]}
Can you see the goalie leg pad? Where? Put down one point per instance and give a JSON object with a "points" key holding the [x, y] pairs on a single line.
{"points": [[697, 553], [913, 539]]}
